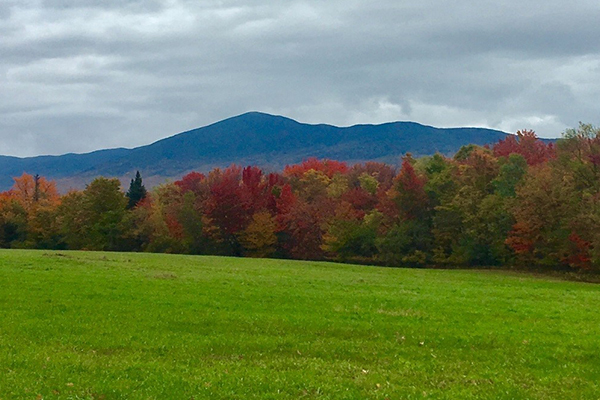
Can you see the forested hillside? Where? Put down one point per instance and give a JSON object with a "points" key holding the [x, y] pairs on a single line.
{"points": [[519, 202], [264, 140]]}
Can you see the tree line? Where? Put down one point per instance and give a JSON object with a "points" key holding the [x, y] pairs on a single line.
{"points": [[520, 202]]}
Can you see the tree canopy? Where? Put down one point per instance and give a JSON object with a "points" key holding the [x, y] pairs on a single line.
{"points": [[521, 202]]}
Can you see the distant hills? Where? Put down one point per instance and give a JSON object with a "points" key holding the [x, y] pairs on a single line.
{"points": [[253, 138]]}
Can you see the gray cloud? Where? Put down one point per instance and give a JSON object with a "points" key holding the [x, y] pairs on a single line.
{"points": [[78, 75]]}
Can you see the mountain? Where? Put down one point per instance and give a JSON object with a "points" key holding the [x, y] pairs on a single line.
{"points": [[253, 138]]}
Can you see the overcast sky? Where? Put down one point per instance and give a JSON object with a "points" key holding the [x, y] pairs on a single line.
{"points": [[80, 75]]}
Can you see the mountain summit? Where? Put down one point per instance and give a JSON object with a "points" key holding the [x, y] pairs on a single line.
{"points": [[253, 138]]}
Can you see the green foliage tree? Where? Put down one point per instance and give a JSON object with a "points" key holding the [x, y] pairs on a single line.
{"points": [[512, 171], [92, 219], [44, 230], [407, 243], [72, 220], [350, 239], [13, 223], [368, 182], [104, 206], [191, 221]]}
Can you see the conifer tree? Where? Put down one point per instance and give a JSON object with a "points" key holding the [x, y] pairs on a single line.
{"points": [[137, 191]]}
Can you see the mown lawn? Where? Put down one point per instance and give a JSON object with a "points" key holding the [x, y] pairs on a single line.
{"points": [[78, 325]]}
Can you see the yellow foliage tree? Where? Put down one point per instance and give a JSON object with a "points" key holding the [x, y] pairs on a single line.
{"points": [[259, 238]]}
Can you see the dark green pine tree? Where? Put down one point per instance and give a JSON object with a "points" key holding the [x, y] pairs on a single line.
{"points": [[137, 192]]}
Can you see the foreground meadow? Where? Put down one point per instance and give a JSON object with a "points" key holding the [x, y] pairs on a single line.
{"points": [[79, 325]]}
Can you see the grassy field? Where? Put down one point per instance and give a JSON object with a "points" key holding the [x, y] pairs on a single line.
{"points": [[77, 325]]}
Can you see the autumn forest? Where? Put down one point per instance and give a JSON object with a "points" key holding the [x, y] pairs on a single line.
{"points": [[520, 202]]}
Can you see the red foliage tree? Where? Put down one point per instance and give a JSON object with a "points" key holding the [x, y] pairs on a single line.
{"points": [[192, 182], [409, 192], [285, 202], [360, 200], [253, 190], [579, 256], [520, 238], [328, 167], [384, 174], [275, 183], [224, 206], [527, 144], [303, 227]]}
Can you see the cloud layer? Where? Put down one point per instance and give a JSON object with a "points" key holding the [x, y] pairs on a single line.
{"points": [[76, 75]]}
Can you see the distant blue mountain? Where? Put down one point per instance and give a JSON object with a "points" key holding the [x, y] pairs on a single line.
{"points": [[253, 138]]}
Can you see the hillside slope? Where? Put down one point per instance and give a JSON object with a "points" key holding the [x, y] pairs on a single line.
{"points": [[252, 138]]}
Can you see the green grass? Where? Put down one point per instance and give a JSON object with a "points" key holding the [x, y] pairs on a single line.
{"points": [[78, 325]]}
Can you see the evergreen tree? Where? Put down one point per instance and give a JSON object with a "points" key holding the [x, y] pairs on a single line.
{"points": [[137, 191]]}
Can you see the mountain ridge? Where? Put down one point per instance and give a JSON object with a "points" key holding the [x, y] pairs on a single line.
{"points": [[269, 141]]}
